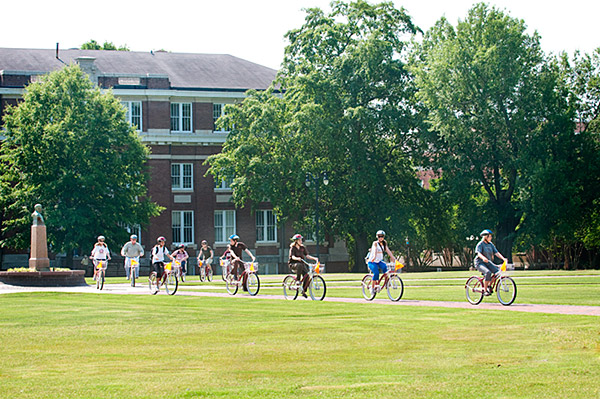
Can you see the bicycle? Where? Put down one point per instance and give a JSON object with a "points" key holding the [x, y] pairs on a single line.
{"points": [[505, 287], [388, 280], [232, 284], [206, 272], [225, 268], [179, 271], [99, 274], [168, 279], [316, 288], [132, 266]]}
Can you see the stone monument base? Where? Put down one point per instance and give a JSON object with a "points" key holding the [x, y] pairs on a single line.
{"points": [[71, 278]]}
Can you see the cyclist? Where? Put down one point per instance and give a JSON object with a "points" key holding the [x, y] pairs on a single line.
{"points": [[484, 255], [235, 250], [298, 253], [100, 253], [181, 255], [375, 257], [132, 250], [159, 251], [206, 254]]}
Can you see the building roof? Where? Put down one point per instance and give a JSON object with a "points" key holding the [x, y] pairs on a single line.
{"points": [[185, 70]]}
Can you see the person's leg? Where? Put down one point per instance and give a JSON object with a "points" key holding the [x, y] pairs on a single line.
{"points": [[487, 276], [127, 266], [374, 267]]}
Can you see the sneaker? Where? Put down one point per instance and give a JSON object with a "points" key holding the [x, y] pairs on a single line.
{"points": [[304, 294], [487, 293]]}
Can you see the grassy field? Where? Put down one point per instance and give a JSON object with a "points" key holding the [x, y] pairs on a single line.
{"points": [[542, 287], [112, 346]]}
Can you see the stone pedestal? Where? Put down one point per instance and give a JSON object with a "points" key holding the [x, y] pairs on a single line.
{"points": [[39, 248]]}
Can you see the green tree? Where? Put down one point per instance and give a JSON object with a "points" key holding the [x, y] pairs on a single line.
{"points": [[94, 45], [491, 96], [345, 107], [68, 146]]}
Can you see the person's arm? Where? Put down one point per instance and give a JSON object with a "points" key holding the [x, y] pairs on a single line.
{"points": [[212, 254], [186, 256], [123, 249], [373, 252], [391, 255], [312, 257], [108, 254], [250, 253]]}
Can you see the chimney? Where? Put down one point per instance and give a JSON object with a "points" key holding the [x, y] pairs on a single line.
{"points": [[87, 65]]}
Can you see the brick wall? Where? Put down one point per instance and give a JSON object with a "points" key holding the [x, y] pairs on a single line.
{"points": [[157, 115]]}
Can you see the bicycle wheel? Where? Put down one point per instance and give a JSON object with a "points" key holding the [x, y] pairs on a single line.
{"points": [[290, 288], [171, 284], [395, 288], [231, 285], [132, 277], [209, 273], [201, 274], [152, 283], [506, 290], [366, 287], [100, 280], [253, 284], [474, 290], [317, 288]]}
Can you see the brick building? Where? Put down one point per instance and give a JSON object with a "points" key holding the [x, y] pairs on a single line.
{"points": [[174, 99]]}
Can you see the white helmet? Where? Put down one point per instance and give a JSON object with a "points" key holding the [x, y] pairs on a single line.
{"points": [[380, 233]]}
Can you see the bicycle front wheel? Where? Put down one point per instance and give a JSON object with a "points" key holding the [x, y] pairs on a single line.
{"points": [[182, 276], [253, 284], [506, 290], [132, 277], [231, 285], [171, 284], [201, 274], [152, 284], [290, 288], [366, 287], [395, 288], [100, 280], [474, 290], [317, 288], [209, 274]]}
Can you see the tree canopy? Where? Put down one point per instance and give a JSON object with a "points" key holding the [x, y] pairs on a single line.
{"points": [[94, 45], [69, 147]]}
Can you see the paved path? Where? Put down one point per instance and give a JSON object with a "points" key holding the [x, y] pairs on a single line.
{"points": [[142, 289]]}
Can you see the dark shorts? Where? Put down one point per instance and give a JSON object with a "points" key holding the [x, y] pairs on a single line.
{"points": [[487, 269], [158, 267], [299, 268]]}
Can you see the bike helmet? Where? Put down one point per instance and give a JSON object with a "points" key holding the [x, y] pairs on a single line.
{"points": [[234, 237], [133, 237], [204, 242], [181, 246], [380, 233], [485, 232], [297, 237], [101, 238], [161, 238]]}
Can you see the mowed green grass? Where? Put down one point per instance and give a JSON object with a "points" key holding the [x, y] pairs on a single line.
{"points": [[539, 287], [58, 345]]}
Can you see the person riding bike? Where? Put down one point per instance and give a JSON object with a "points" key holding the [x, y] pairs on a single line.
{"points": [[181, 255], [485, 252], [100, 253], [235, 249], [132, 250], [159, 251], [375, 258], [206, 254], [298, 253]]}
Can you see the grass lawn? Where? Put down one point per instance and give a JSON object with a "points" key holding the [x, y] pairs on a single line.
{"points": [[111, 346]]}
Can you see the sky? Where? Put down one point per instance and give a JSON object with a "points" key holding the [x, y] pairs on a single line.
{"points": [[254, 29]]}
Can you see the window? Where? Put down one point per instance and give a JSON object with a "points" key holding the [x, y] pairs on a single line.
{"points": [[218, 111], [223, 185], [181, 117], [224, 225], [266, 226], [181, 176], [183, 227], [134, 113]]}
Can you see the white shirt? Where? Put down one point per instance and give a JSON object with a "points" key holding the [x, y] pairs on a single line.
{"points": [[158, 253], [100, 252], [376, 252]]}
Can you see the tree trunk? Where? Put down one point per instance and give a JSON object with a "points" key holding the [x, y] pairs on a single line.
{"points": [[361, 247], [507, 224]]}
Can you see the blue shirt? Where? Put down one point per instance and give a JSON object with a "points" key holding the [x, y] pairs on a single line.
{"points": [[486, 249]]}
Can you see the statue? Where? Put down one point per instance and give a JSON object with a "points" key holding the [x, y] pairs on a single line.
{"points": [[38, 219], [39, 246]]}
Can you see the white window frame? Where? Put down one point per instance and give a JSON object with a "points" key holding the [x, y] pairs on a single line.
{"points": [[182, 167], [262, 229], [224, 185], [218, 111], [130, 117], [179, 225], [222, 229], [179, 118]]}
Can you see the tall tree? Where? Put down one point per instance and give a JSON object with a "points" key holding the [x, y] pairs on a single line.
{"points": [[94, 45], [69, 147], [490, 95], [346, 108]]}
